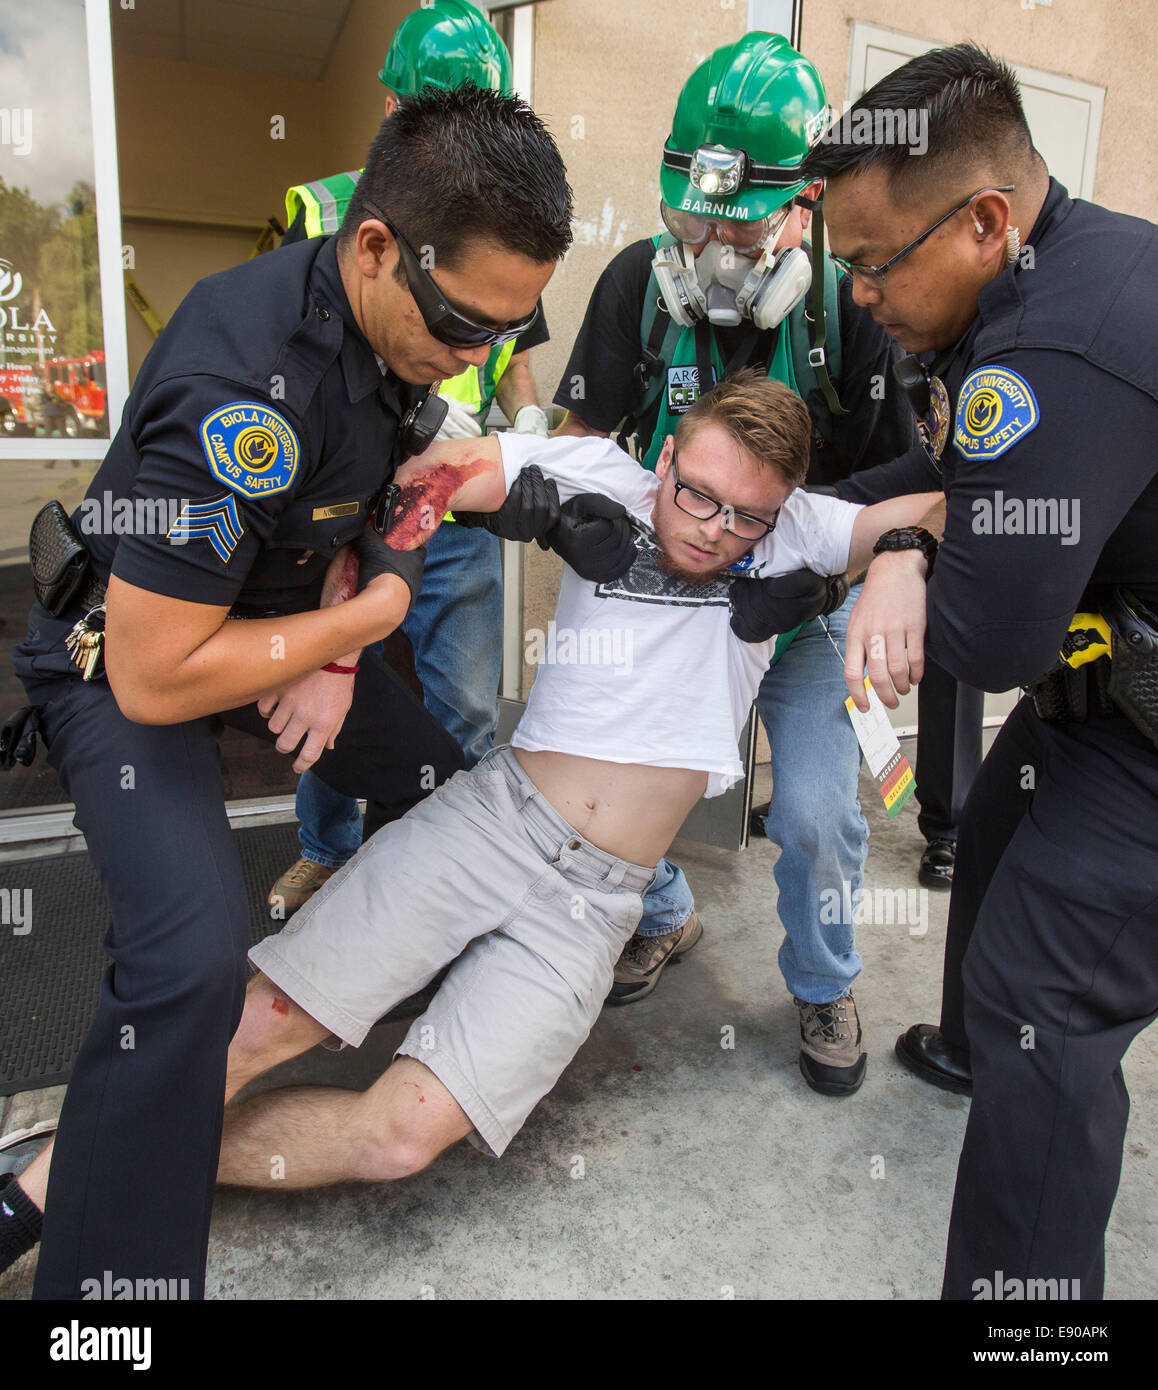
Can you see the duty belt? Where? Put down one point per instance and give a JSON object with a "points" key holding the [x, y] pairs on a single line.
{"points": [[92, 595], [65, 583], [1108, 665]]}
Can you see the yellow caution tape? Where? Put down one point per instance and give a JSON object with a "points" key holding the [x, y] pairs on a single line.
{"points": [[265, 237], [142, 306]]}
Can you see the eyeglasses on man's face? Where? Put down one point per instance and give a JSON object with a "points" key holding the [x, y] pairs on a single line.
{"points": [[703, 508], [444, 323], [875, 275]]}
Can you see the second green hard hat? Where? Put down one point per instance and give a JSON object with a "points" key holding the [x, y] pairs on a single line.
{"points": [[442, 45]]}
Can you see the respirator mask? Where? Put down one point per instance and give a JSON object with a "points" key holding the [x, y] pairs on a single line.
{"points": [[738, 275]]}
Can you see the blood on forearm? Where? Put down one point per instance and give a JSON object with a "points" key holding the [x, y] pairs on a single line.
{"points": [[341, 579], [424, 499], [340, 584]]}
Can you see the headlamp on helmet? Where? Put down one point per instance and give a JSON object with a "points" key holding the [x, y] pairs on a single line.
{"points": [[717, 171], [744, 121]]}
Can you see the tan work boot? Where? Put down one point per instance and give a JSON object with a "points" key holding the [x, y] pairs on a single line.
{"points": [[296, 887], [638, 969], [832, 1060]]}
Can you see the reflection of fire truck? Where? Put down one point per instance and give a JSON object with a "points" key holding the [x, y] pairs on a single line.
{"points": [[66, 396], [16, 384]]}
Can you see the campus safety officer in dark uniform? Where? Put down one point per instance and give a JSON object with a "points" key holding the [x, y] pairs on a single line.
{"points": [[264, 423], [1039, 398]]}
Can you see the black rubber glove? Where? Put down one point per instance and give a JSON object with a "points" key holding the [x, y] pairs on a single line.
{"points": [[376, 558], [763, 608], [18, 738], [595, 537], [838, 587], [530, 512]]}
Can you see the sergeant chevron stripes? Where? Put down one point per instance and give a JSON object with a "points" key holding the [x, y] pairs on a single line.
{"points": [[215, 520]]}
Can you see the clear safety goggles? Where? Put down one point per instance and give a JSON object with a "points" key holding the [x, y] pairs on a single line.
{"points": [[747, 238]]}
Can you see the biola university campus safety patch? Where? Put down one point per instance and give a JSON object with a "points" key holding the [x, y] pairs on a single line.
{"points": [[995, 408], [250, 448]]}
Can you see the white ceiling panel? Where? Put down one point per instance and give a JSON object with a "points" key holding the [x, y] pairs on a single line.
{"points": [[293, 38], [319, 9], [249, 60], [152, 45], [147, 17], [240, 27]]}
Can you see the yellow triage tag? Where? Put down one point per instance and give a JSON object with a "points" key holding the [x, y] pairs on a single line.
{"points": [[882, 752]]}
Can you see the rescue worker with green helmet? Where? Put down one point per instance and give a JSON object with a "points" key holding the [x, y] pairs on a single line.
{"points": [[731, 284], [439, 45], [455, 628]]}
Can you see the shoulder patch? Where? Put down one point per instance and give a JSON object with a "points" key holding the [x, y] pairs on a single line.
{"points": [[214, 520], [995, 408], [250, 449]]}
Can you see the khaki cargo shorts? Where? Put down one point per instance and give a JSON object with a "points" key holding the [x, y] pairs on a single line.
{"points": [[484, 873]]}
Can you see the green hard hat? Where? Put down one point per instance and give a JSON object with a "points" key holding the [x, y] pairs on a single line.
{"points": [[744, 121], [442, 45]]}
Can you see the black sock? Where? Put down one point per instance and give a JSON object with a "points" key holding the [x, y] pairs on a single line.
{"points": [[20, 1223]]}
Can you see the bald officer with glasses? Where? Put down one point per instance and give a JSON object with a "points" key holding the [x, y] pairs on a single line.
{"points": [[264, 426]]}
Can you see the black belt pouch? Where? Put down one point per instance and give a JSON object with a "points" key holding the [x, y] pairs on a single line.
{"points": [[60, 563]]}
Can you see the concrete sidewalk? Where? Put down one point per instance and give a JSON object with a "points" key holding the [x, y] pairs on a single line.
{"points": [[665, 1165]]}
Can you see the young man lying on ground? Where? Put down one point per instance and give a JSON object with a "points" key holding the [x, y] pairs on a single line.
{"points": [[527, 872]]}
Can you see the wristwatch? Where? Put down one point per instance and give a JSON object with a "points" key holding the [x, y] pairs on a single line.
{"points": [[909, 538]]}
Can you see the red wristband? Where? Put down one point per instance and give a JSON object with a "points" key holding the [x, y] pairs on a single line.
{"points": [[341, 670]]}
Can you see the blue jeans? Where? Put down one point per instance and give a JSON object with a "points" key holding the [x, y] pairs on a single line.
{"points": [[815, 817], [668, 903], [456, 629]]}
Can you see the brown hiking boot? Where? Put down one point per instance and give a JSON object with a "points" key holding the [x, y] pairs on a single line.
{"points": [[296, 887], [638, 969], [832, 1060]]}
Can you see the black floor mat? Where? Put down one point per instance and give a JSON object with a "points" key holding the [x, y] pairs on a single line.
{"points": [[50, 975]]}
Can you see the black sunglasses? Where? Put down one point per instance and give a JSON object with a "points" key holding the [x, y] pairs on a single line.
{"points": [[875, 274], [443, 322], [703, 508]]}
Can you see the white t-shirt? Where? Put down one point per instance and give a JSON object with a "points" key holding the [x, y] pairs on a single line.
{"points": [[647, 669]]}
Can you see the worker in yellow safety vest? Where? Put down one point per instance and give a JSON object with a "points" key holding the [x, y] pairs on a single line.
{"points": [[455, 626]]}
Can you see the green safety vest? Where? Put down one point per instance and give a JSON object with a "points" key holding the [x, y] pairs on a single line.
{"points": [[477, 385], [678, 350], [325, 202]]}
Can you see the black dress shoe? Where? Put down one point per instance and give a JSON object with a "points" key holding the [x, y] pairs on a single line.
{"points": [[927, 1054], [936, 869]]}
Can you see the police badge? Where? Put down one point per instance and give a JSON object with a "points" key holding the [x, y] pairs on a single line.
{"points": [[930, 401], [934, 426]]}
